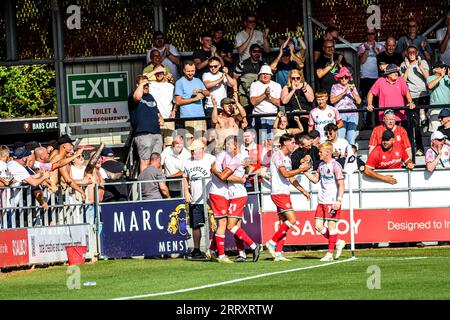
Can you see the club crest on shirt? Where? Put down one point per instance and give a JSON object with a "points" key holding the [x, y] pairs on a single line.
{"points": [[383, 157], [399, 138], [446, 153], [397, 154], [330, 115], [288, 205]]}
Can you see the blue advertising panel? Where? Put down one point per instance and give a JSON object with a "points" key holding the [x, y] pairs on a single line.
{"points": [[149, 228]]}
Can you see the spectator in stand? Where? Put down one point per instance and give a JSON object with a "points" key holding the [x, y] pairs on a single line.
{"points": [[443, 36], [328, 65], [249, 36], [229, 120], [155, 62], [439, 86], [389, 155], [322, 115], [339, 144], [280, 125], [265, 97], [170, 57], [389, 56], [162, 92], [307, 151], [444, 117], [189, 94], [246, 72], [415, 71], [297, 96], [315, 136], [365, 169], [197, 167], [216, 82], [114, 172], [223, 47], [286, 61], [331, 33], [173, 159], [145, 121], [345, 96], [5, 176], [155, 189], [201, 57], [400, 134], [367, 53], [438, 156], [413, 38], [391, 91]]}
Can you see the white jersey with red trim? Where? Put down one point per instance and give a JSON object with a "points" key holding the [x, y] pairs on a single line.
{"points": [[279, 184], [236, 189], [329, 175], [218, 187]]}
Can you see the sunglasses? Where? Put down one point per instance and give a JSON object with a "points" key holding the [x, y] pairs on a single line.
{"points": [[328, 133], [256, 51], [440, 140], [412, 52], [295, 78], [345, 78], [214, 65]]}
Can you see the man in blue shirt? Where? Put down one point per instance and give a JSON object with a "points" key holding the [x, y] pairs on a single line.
{"points": [[189, 95], [145, 121], [413, 37]]}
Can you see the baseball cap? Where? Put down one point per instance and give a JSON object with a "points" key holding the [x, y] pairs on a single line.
{"points": [[440, 65], [21, 152], [30, 146], [64, 139], [314, 134], [388, 111], [226, 101], [196, 144], [254, 46], [286, 52], [391, 68], [387, 135], [113, 166], [444, 113], [107, 152], [265, 69], [438, 135]]}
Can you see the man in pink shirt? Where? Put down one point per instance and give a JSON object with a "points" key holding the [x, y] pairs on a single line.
{"points": [[392, 91]]}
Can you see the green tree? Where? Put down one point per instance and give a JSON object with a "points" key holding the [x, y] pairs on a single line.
{"points": [[27, 91]]}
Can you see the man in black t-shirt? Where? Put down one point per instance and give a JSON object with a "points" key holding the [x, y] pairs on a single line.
{"points": [[444, 117], [388, 56], [331, 33], [305, 151], [200, 57], [224, 48]]}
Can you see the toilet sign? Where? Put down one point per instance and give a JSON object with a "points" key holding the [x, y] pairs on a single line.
{"points": [[100, 97]]}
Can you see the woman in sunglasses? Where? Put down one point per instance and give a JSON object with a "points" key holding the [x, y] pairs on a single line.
{"points": [[297, 96], [344, 96]]}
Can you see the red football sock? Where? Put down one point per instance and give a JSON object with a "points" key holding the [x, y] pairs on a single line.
{"points": [[239, 243], [280, 244], [241, 234], [332, 241], [213, 244], [282, 231], [220, 242]]}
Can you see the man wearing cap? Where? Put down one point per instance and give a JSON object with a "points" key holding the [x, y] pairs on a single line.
{"points": [[229, 120], [438, 156], [196, 168], [172, 160], [155, 62], [389, 155], [444, 117], [265, 96], [216, 82], [246, 72], [245, 38], [439, 86], [113, 171], [391, 91], [145, 121], [400, 134]]}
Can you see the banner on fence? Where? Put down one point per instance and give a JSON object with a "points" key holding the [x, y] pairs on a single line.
{"points": [[13, 247], [371, 226], [148, 228], [48, 244]]}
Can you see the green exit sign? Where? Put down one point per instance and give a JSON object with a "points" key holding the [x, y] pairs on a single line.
{"points": [[91, 88]]}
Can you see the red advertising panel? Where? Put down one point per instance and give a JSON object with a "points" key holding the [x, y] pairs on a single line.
{"points": [[13, 247], [381, 225]]}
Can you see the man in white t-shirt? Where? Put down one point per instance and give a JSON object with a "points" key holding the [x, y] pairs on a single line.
{"points": [[5, 177], [323, 114], [339, 144], [265, 96], [443, 36], [197, 167], [281, 176], [172, 160], [438, 156], [216, 82], [248, 36], [170, 56]]}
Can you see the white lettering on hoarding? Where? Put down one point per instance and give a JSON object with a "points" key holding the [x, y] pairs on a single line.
{"points": [[119, 223], [19, 247], [172, 246], [146, 220], [133, 223], [409, 226]]}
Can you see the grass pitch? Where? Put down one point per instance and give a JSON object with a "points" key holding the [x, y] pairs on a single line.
{"points": [[413, 273]]}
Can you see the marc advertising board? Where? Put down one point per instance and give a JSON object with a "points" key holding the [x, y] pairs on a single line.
{"points": [[371, 226], [100, 96], [149, 228]]}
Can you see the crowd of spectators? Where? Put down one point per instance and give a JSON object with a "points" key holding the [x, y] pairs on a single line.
{"points": [[219, 94]]}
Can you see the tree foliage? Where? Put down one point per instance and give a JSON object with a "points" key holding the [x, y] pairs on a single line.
{"points": [[27, 91]]}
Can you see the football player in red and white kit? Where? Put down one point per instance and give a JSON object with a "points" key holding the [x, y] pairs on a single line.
{"points": [[234, 173], [282, 175], [331, 177]]}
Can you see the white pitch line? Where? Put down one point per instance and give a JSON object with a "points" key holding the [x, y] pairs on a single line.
{"points": [[231, 281]]}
